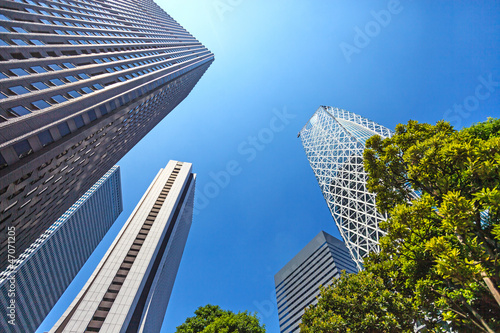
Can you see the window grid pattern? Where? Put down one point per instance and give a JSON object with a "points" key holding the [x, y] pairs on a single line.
{"points": [[297, 285], [334, 140], [48, 266], [66, 97]]}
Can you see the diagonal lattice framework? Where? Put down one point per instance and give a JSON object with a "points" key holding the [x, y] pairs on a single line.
{"points": [[334, 140]]}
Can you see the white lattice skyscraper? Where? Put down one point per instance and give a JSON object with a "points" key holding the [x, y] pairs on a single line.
{"points": [[334, 140]]}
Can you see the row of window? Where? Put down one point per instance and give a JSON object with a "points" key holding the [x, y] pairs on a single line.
{"points": [[98, 12], [70, 4], [23, 148], [21, 110], [76, 17]]}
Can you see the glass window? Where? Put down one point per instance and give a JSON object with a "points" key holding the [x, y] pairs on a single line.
{"points": [[3, 17], [79, 121], [71, 78], [20, 110], [57, 82], [2, 96], [3, 163], [23, 148], [19, 42], [63, 129], [59, 98], [68, 65], [86, 90], [45, 138], [74, 94], [55, 67], [19, 71], [39, 85], [20, 30], [103, 110], [84, 76], [36, 42], [41, 104], [19, 90], [97, 86], [92, 115], [39, 69], [2, 43]]}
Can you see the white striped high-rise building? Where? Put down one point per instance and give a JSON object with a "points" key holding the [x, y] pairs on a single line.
{"points": [[130, 288]]}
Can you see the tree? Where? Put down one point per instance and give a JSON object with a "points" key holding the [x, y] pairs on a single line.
{"points": [[439, 264], [359, 303], [442, 248], [212, 319]]}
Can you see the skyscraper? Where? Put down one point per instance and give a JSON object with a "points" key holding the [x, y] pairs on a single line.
{"points": [[130, 288], [297, 283], [43, 272], [334, 140], [81, 82]]}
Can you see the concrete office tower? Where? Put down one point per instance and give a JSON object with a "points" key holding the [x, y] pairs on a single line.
{"points": [[334, 140], [43, 272], [130, 288], [297, 284], [81, 82]]}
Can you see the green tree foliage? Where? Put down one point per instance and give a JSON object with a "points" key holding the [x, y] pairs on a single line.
{"points": [[442, 249], [439, 264], [212, 319], [359, 303]]}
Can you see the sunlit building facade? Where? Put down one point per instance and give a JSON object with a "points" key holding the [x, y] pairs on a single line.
{"points": [[297, 283], [130, 289], [39, 276], [334, 141], [81, 82]]}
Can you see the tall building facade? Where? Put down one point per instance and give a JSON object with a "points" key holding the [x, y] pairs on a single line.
{"points": [[334, 140], [297, 283], [40, 275], [81, 82], [130, 288]]}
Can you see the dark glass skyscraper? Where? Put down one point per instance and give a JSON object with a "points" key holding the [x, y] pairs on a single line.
{"points": [[40, 275], [81, 82], [297, 284]]}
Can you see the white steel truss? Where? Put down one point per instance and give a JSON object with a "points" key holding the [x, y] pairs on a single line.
{"points": [[334, 140]]}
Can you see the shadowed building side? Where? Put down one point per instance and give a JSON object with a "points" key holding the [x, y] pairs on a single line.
{"points": [[80, 84]]}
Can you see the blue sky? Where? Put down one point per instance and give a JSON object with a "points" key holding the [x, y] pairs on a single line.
{"points": [[275, 63]]}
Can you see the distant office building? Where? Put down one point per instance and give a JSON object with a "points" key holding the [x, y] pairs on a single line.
{"points": [[130, 288], [81, 82], [334, 141], [43, 272], [297, 284]]}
